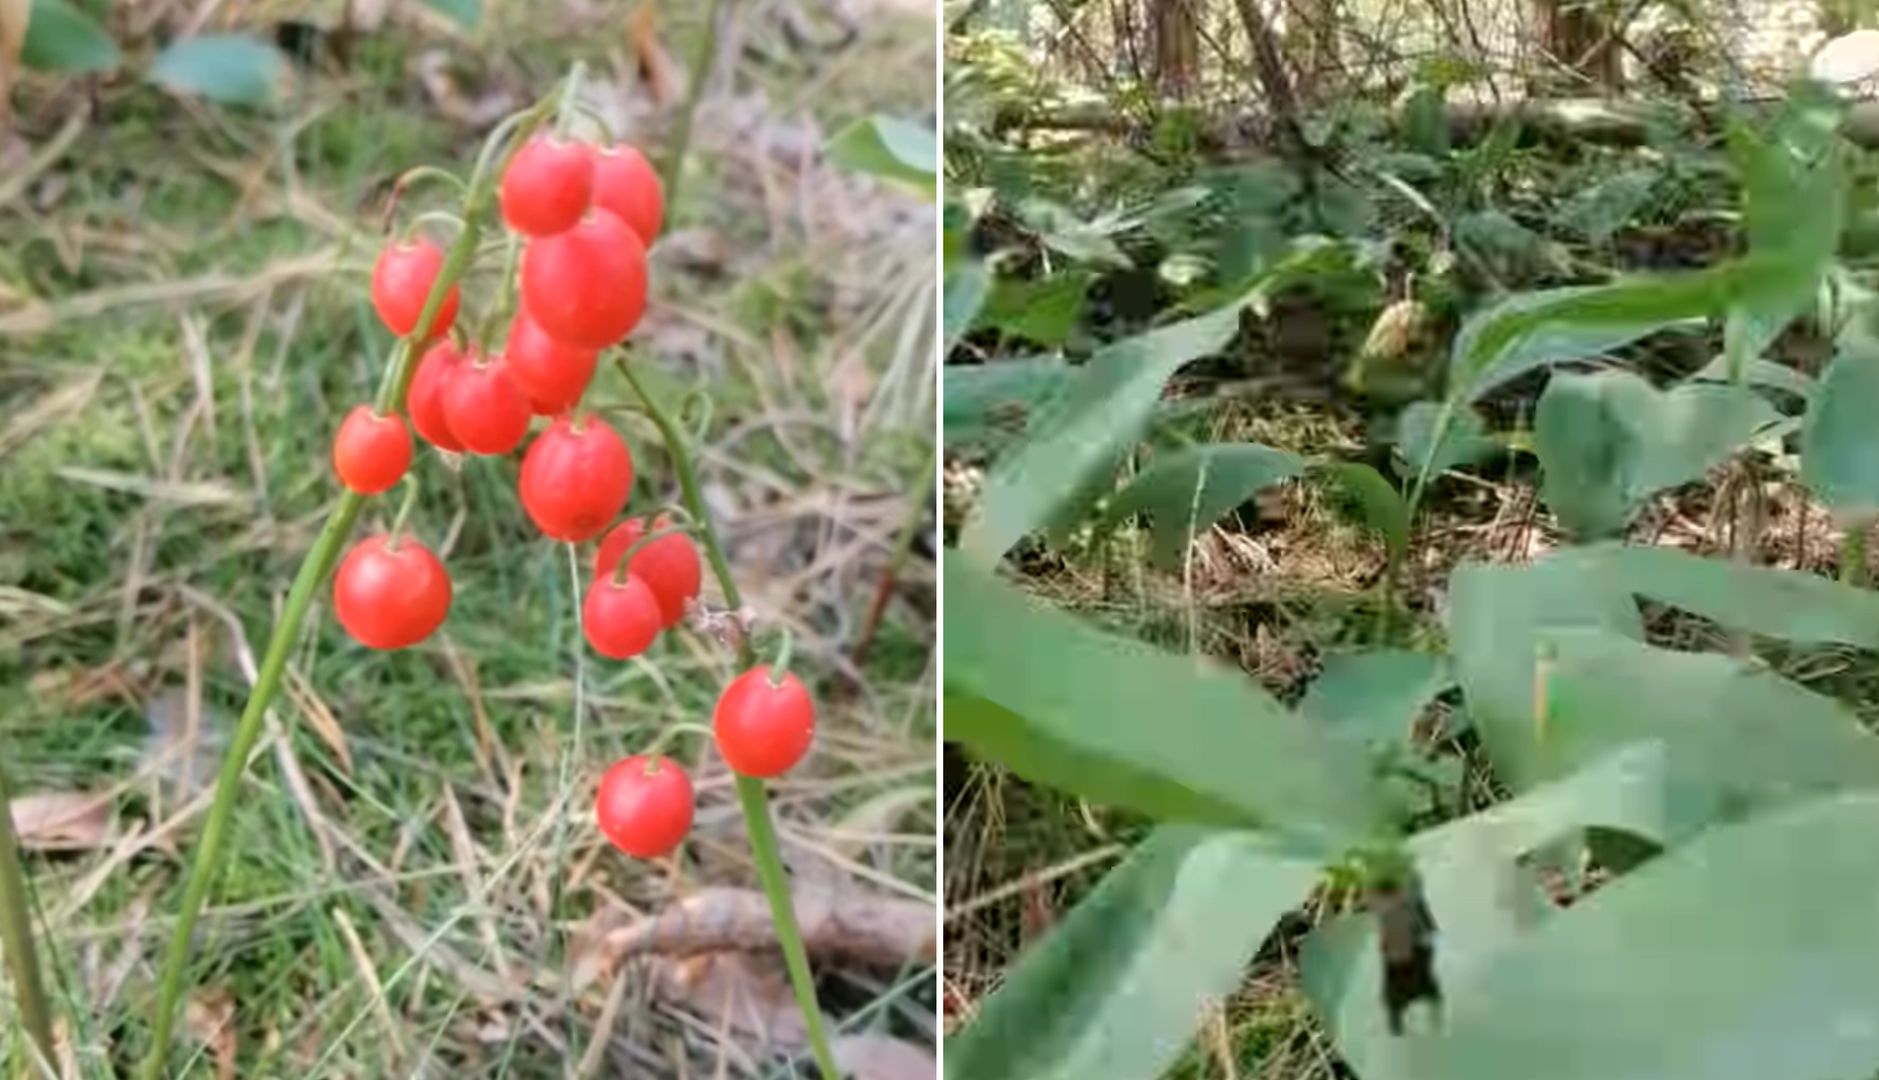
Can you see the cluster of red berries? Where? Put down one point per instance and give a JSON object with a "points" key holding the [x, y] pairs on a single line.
{"points": [[589, 214]]}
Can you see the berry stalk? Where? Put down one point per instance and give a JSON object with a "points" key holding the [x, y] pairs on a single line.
{"points": [[16, 934], [207, 860], [752, 796]]}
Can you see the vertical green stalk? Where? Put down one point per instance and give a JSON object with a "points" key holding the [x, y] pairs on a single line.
{"points": [[751, 795], [674, 166], [319, 562], [1853, 554], [16, 933]]}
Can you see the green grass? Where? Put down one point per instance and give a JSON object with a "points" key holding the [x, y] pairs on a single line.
{"points": [[103, 591]]}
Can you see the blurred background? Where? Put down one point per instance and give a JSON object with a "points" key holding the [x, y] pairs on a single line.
{"points": [[191, 195]]}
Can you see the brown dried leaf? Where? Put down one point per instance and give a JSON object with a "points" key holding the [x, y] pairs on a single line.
{"points": [[656, 68], [883, 1057], [209, 1018], [61, 820], [445, 91], [744, 991], [880, 930]]}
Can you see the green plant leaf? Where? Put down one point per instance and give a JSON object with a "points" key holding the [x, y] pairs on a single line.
{"points": [[1602, 209], [967, 285], [227, 68], [1119, 721], [1186, 491], [1099, 416], [1738, 737], [1839, 455], [465, 13], [1531, 330], [1044, 311], [1375, 696], [1495, 618], [892, 149], [1788, 604], [986, 403], [1483, 891], [1609, 440], [1380, 504], [1117, 989], [1465, 440], [1762, 964], [61, 38]]}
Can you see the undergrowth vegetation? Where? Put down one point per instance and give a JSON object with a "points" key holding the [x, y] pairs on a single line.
{"points": [[1406, 607]]}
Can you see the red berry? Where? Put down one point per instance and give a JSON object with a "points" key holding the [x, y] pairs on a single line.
{"points": [[388, 598], [669, 564], [486, 410], [425, 400], [645, 805], [586, 287], [762, 729], [625, 183], [402, 280], [371, 452], [575, 478], [620, 618], [553, 375], [546, 186]]}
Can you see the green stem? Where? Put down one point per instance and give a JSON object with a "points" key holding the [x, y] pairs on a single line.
{"points": [[751, 795], [1853, 555], [208, 856], [780, 666], [319, 562], [16, 933], [674, 171]]}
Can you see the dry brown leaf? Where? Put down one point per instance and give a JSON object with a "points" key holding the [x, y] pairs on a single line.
{"points": [[882, 1057], [656, 68], [209, 1018], [880, 930], [457, 106], [744, 991], [61, 820]]}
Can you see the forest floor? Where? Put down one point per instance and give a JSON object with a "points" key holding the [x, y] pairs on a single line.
{"points": [[1295, 575], [414, 885]]}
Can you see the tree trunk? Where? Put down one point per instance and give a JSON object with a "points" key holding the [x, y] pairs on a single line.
{"points": [[1176, 29]]}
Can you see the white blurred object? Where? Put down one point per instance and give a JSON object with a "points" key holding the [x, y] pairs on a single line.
{"points": [[1849, 58]]}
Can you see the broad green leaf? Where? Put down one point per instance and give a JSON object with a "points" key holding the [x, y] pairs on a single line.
{"points": [[61, 38], [889, 148], [963, 297], [1763, 373], [1788, 604], [984, 403], [1602, 209], [1381, 505], [230, 69], [1737, 737], [1610, 440], [1119, 721], [1099, 416], [1495, 618], [1186, 491], [466, 13], [1376, 695], [1531, 330], [1117, 989], [1044, 311], [1482, 891], [1464, 440], [1102, 412], [1749, 954], [1839, 450]]}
